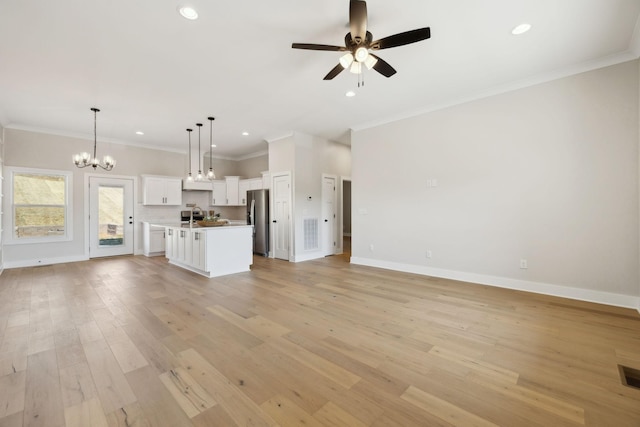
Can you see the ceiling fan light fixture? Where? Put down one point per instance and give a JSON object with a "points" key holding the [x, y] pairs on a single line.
{"points": [[188, 13], [356, 67], [361, 54], [370, 62], [346, 60]]}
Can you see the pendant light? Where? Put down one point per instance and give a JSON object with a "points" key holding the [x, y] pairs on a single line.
{"points": [[189, 176], [199, 177], [211, 175], [84, 159]]}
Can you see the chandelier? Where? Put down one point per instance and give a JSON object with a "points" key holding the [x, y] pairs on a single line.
{"points": [[84, 159]]}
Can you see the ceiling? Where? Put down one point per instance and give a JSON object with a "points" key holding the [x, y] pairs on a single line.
{"points": [[149, 69]]}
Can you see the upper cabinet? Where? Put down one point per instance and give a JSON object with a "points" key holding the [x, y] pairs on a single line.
{"points": [[233, 183], [159, 190], [219, 195], [233, 190]]}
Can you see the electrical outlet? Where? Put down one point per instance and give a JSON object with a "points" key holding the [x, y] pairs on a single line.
{"points": [[429, 254], [523, 264]]}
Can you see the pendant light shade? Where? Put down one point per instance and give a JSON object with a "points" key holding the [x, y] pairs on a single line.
{"points": [[199, 177], [211, 175], [84, 159], [189, 176]]}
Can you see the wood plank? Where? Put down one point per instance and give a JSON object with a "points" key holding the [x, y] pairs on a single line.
{"points": [[43, 403], [443, 409], [112, 386], [128, 416], [158, 405], [12, 390], [333, 415], [191, 397], [89, 413], [286, 413], [241, 409], [76, 384]]}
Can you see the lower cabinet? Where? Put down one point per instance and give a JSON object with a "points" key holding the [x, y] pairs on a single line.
{"points": [[211, 251], [198, 250], [187, 246]]}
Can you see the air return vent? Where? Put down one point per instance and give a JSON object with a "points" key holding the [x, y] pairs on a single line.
{"points": [[310, 234], [629, 376]]}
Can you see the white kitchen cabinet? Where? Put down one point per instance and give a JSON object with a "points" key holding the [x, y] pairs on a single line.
{"points": [[198, 250], [211, 251], [184, 249], [219, 195], [243, 187], [153, 238], [233, 183], [159, 190], [170, 244], [246, 185]]}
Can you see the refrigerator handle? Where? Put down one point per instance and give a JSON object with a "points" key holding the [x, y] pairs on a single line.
{"points": [[252, 211]]}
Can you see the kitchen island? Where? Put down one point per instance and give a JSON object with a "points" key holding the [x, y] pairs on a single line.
{"points": [[210, 251]]}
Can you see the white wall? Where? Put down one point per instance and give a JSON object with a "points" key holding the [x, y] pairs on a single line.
{"points": [[548, 174]]}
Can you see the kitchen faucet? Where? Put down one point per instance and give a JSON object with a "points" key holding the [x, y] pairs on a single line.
{"points": [[193, 207]]}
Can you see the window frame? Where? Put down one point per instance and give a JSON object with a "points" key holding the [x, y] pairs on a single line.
{"points": [[9, 220]]}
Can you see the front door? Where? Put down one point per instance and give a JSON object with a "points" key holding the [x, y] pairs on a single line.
{"points": [[110, 216], [281, 223]]}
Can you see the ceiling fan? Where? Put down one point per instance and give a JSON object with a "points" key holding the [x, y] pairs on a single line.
{"points": [[358, 44]]}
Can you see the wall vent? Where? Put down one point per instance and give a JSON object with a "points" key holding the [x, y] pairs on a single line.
{"points": [[310, 234], [629, 376]]}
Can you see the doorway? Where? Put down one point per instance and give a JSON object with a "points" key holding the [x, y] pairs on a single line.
{"points": [[110, 216], [328, 225], [281, 222]]}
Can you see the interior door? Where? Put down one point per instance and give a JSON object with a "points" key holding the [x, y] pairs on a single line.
{"points": [[281, 222], [328, 225], [110, 216]]}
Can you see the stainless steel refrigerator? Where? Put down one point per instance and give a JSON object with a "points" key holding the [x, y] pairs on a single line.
{"points": [[258, 216]]}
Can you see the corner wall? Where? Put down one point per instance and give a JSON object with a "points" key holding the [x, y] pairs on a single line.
{"points": [[546, 174]]}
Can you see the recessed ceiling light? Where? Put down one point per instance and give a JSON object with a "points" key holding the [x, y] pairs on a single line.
{"points": [[188, 12], [245, 133], [521, 29], [213, 145], [350, 94], [139, 132]]}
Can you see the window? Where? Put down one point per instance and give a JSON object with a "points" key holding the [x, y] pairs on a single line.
{"points": [[40, 205]]}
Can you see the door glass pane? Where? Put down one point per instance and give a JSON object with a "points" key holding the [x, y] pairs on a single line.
{"points": [[111, 216]]}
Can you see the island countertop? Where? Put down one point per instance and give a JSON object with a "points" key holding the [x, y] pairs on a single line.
{"points": [[209, 251]]}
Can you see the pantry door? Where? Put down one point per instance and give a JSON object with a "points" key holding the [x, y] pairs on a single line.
{"points": [[110, 216]]}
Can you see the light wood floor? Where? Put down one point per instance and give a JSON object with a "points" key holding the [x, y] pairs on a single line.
{"points": [[133, 341]]}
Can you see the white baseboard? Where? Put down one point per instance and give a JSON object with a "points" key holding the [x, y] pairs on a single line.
{"points": [[46, 261], [608, 298]]}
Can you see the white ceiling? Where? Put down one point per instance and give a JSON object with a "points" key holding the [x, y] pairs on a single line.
{"points": [[149, 69]]}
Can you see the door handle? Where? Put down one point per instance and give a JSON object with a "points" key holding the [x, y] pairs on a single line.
{"points": [[274, 221], [326, 220], [130, 222]]}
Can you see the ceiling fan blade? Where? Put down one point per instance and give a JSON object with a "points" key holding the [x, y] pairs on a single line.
{"points": [[383, 67], [334, 72], [358, 20], [310, 46], [401, 39]]}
